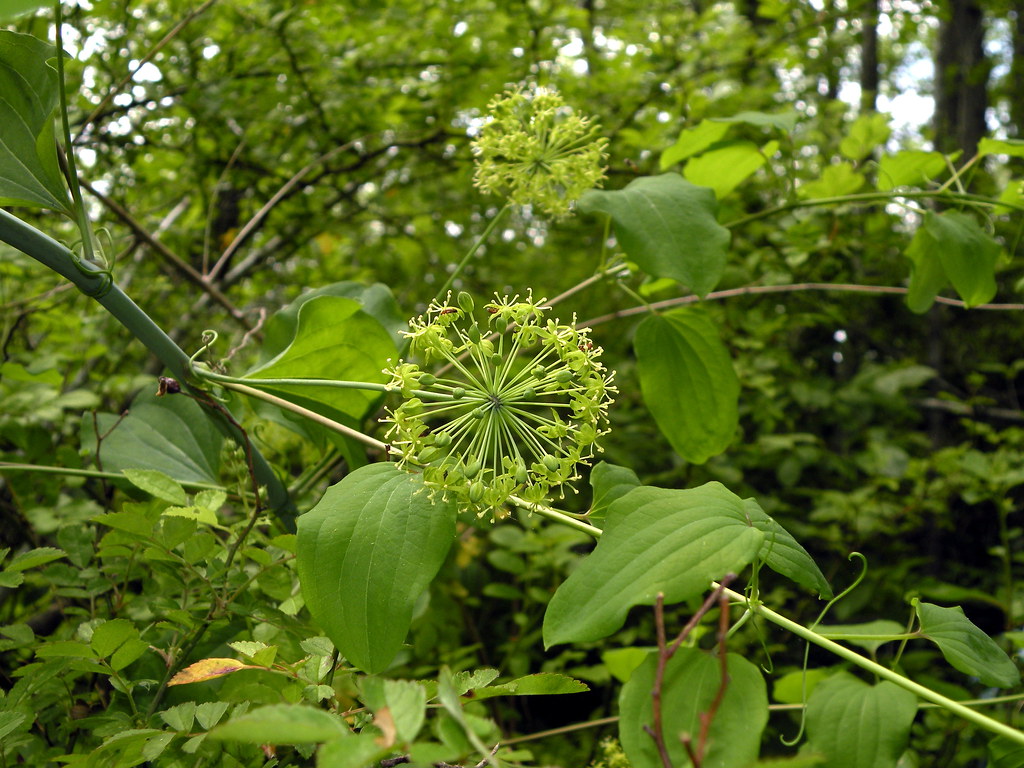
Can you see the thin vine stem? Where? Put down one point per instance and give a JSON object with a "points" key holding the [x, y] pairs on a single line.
{"points": [[754, 290], [471, 252], [81, 217], [758, 608], [874, 197], [323, 421]]}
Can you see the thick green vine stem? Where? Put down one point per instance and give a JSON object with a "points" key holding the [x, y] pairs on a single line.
{"points": [[91, 281], [520, 402]]}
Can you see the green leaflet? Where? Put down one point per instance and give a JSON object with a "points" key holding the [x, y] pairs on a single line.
{"points": [[693, 141], [366, 552], [691, 682], [952, 247], [668, 226], [856, 725], [28, 97], [172, 435], [965, 646], [836, 180], [911, 167], [655, 540], [405, 700], [728, 165], [867, 133], [282, 724], [688, 382], [334, 339]]}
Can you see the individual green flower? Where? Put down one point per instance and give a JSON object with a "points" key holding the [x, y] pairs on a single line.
{"points": [[536, 151], [519, 402]]}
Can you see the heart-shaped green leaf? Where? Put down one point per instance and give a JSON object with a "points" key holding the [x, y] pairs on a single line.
{"points": [[334, 339], [856, 725], [688, 382], [965, 646], [656, 540], [692, 680], [668, 226], [366, 552], [29, 174]]}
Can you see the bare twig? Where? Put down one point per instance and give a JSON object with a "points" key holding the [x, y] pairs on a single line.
{"points": [[142, 62], [288, 186], [666, 652], [180, 265], [752, 290]]}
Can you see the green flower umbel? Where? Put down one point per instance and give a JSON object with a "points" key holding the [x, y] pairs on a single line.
{"points": [[536, 151], [519, 402]]}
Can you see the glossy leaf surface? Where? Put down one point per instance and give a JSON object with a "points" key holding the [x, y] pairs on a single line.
{"points": [[366, 552], [668, 226], [656, 540], [688, 382]]}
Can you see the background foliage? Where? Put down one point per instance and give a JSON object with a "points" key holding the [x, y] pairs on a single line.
{"points": [[239, 157]]}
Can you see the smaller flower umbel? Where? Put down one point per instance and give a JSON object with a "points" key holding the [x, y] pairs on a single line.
{"points": [[519, 402], [536, 151]]}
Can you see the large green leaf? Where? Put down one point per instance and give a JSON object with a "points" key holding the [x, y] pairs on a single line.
{"points": [[688, 382], [9, 9], [366, 552], [28, 97], [376, 300], [668, 226], [952, 246], [856, 725], [965, 646], [692, 141], [335, 339], [726, 166], [282, 724], [656, 540], [910, 167], [170, 434], [692, 680], [783, 554], [927, 277]]}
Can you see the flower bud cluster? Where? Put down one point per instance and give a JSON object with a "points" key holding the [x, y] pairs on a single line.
{"points": [[519, 402], [536, 151]]}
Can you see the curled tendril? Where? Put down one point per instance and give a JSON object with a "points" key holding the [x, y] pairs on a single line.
{"points": [[807, 648], [520, 402]]}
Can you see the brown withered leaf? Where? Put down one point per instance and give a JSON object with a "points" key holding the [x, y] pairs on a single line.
{"points": [[208, 669]]}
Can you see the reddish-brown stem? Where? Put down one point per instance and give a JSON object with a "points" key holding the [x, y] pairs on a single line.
{"points": [[666, 652]]}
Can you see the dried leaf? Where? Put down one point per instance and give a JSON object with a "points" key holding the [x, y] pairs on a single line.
{"points": [[208, 669]]}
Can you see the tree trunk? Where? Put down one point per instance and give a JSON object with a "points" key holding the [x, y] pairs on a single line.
{"points": [[869, 56], [1016, 84], [961, 77]]}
